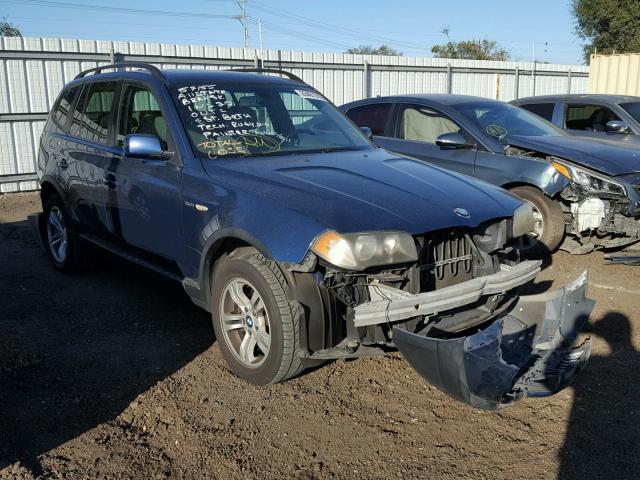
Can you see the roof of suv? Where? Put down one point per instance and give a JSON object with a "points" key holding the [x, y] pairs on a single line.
{"points": [[196, 76]]}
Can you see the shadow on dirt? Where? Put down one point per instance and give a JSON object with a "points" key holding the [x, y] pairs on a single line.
{"points": [[603, 436], [76, 350]]}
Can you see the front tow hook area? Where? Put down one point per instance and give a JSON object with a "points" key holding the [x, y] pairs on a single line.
{"points": [[527, 352]]}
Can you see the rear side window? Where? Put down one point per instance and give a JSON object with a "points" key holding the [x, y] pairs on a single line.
{"points": [[60, 113], [588, 117], [544, 110], [92, 114], [373, 116]]}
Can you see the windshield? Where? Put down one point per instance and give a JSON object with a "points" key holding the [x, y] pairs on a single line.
{"points": [[244, 119], [502, 121], [633, 109]]}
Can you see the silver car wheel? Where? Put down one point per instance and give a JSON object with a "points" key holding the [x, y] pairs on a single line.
{"points": [[245, 323], [57, 235], [534, 235]]}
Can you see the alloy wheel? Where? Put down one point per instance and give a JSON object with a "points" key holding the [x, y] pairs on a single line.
{"points": [[245, 323], [57, 235]]}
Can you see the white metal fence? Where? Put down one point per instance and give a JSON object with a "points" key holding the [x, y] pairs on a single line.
{"points": [[33, 70]]}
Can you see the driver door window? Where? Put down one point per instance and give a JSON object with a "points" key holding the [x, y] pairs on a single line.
{"points": [[423, 124], [140, 114]]}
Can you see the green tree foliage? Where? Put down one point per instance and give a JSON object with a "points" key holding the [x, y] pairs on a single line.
{"points": [[608, 25], [369, 50], [470, 49], [8, 29]]}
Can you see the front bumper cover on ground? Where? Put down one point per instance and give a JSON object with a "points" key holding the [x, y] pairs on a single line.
{"points": [[527, 352]]}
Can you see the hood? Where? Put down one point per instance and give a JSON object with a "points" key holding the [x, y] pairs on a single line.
{"points": [[611, 158], [370, 190]]}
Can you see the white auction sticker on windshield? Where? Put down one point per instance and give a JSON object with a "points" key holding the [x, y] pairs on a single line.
{"points": [[310, 95]]}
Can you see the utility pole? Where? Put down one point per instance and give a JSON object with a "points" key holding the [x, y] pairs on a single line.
{"points": [[243, 20], [260, 33]]}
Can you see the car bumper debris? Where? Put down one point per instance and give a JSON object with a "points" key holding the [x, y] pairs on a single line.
{"points": [[527, 352]]}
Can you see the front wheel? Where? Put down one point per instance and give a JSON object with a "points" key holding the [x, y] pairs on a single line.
{"points": [[255, 323], [548, 230]]}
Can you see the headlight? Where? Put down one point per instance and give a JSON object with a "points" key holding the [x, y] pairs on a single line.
{"points": [[359, 251], [590, 181], [522, 220]]}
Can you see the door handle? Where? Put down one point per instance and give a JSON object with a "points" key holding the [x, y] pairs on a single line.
{"points": [[109, 180]]}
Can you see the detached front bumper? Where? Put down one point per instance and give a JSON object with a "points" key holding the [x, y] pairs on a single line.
{"points": [[527, 352]]}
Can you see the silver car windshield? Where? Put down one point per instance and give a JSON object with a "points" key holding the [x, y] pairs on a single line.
{"points": [[260, 119], [502, 121]]}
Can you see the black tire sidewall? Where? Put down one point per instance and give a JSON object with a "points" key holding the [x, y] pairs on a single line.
{"points": [[225, 271]]}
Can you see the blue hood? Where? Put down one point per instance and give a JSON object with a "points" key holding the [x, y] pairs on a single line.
{"points": [[611, 158], [369, 190]]}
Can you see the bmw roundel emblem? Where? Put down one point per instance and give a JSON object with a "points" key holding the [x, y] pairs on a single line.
{"points": [[461, 212]]}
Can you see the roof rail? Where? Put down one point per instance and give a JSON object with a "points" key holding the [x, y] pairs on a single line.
{"points": [[145, 66], [290, 75]]}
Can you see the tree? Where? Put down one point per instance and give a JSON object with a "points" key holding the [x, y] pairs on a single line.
{"points": [[470, 49], [8, 29], [607, 25], [369, 50]]}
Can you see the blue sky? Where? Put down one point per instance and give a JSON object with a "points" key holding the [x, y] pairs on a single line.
{"points": [[321, 25]]}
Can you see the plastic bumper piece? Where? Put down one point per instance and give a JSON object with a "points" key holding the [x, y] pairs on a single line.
{"points": [[527, 352]]}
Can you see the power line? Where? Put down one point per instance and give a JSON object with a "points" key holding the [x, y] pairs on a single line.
{"points": [[296, 34], [101, 8], [336, 29]]}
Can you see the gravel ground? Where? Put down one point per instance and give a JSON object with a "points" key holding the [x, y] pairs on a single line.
{"points": [[115, 374]]}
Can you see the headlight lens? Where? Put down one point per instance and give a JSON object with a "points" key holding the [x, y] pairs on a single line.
{"points": [[590, 181], [522, 220], [359, 251]]}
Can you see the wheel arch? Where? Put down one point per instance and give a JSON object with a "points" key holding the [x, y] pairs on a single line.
{"points": [[550, 193], [48, 187], [224, 242]]}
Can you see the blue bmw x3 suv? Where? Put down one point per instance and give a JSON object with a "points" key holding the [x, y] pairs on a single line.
{"points": [[304, 241]]}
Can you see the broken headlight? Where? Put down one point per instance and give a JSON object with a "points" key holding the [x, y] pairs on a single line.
{"points": [[359, 251], [522, 220], [590, 181]]}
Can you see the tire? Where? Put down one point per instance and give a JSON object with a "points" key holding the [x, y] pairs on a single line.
{"points": [[243, 341], [58, 228], [551, 217]]}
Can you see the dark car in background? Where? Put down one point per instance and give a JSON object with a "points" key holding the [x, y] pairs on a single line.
{"points": [[304, 241], [586, 188], [610, 117]]}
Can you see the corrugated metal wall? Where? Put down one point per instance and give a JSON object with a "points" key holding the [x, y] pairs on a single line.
{"points": [[33, 70], [615, 74]]}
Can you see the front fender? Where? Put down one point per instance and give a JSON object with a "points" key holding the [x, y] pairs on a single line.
{"points": [[512, 170]]}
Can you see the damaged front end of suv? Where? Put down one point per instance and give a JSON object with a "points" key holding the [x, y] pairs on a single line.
{"points": [[449, 303]]}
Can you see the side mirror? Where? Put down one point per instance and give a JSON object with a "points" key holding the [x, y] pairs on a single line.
{"points": [[367, 131], [453, 140], [617, 126], [144, 146]]}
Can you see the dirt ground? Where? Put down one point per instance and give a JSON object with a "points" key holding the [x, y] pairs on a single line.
{"points": [[115, 374]]}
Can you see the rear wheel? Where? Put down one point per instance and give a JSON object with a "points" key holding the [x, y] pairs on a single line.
{"points": [[548, 230], [255, 323], [64, 247]]}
